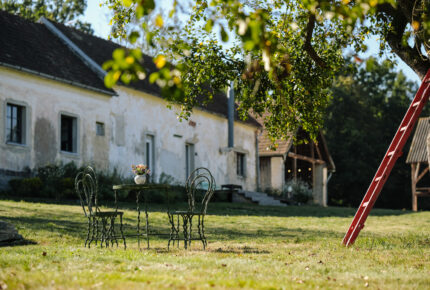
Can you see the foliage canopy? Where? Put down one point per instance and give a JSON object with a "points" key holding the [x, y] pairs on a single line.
{"points": [[281, 55], [62, 11]]}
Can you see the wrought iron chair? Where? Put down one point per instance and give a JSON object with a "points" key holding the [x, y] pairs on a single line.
{"points": [[201, 184], [101, 225]]}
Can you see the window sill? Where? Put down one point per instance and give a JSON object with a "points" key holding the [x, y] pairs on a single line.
{"points": [[70, 154], [17, 145]]}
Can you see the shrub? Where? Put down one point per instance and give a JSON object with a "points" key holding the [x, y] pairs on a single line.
{"points": [[300, 191], [26, 186]]}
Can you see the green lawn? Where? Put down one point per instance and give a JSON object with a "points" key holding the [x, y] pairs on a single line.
{"points": [[249, 247]]}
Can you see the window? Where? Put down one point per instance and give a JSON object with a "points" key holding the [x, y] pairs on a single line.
{"points": [[100, 129], [189, 159], [15, 124], [240, 159], [69, 134], [149, 152]]}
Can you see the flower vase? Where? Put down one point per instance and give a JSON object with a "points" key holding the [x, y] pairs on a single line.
{"points": [[140, 179]]}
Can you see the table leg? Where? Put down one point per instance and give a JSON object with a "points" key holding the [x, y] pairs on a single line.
{"points": [[147, 221], [138, 220]]}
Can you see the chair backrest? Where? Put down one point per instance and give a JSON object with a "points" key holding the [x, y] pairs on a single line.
{"points": [[87, 188], [200, 182]]}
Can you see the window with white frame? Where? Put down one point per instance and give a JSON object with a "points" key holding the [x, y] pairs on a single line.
{"points": [[240, 164], [69, 134], [15, 123]]}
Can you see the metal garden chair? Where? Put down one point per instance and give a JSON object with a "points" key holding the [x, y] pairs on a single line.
{"points": [[200, 184], [101, 224]]}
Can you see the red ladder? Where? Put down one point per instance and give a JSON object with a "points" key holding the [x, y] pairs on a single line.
{"points": [[390, 158]]}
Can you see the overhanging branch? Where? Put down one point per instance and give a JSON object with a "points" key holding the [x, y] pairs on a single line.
{"points": [[308, 45]]}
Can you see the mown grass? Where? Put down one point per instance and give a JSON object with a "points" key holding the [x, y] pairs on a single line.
{"points": [[249, 247]]}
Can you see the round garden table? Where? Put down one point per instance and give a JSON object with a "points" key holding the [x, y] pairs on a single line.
{"points": [[143, 189]]}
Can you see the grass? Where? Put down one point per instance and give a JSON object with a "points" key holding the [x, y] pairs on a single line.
{"points": [[249, 247]]}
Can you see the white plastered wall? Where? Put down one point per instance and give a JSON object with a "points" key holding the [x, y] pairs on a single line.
{"points": [[128, 119], [45, 100]]}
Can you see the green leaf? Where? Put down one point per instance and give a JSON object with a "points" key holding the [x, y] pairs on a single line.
{"points": [[209, 25], [127, 3], [118, 54], [133, 36], [224, 35], [153, 77]]}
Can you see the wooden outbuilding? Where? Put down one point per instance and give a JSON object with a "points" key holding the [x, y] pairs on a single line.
{"points": [[418, 159], [309, 162]]}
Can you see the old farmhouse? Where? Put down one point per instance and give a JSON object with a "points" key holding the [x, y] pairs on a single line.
{"points": [[55, 108]]}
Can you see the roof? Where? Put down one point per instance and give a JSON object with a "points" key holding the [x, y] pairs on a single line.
{"points": [[265, 144], [284, 146], [100, 50], [31, 47], [418, 150]]}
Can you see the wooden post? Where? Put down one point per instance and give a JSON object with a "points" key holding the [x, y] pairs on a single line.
{"points": [[295, 165], [414, 173]]}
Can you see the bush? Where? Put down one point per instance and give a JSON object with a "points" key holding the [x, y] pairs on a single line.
{"points": [[58, 181], [300, 191], [26, 186]]}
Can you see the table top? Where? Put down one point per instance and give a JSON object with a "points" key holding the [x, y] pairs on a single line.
{"points": [[140, 186]]}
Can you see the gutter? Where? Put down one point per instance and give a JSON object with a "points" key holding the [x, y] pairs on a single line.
{"points": [[257, 153], [20, 68]]}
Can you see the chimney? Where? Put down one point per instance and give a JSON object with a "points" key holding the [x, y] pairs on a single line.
{"points": [[230, 103]]}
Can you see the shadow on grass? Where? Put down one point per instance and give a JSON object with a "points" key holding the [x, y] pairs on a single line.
{"points": [[242, 250], [235, 209], [22, 242], [214, 233]]}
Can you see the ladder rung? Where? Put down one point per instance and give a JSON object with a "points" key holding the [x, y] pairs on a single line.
{"points": [[403, 128], [415, 104], [378, 178], [391, 153], [365, 204]]}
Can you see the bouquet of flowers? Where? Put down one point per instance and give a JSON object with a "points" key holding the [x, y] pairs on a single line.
{"points": [[140, 169]]}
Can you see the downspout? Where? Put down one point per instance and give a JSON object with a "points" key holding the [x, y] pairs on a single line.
{"points": [[230, 114], [257, 153]]}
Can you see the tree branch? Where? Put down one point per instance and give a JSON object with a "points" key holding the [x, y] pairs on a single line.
{"points": [[394, 38], [308, 46]]}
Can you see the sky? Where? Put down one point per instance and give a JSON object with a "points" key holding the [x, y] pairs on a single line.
{"points": [[99, 18]]}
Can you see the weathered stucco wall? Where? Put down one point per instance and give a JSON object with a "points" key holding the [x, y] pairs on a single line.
{"points": [[45, 101], [128, 120], [136, 114]]}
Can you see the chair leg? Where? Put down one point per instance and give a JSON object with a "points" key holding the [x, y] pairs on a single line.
{"points": [[96, 223], [94, 231], [172, 235], [104, 233], [177, 231], [190, 222], [185, 228], [122, 233], [88, 232], [113, 237], [205, 243]]}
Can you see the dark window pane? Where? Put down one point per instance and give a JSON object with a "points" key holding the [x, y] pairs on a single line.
{"points": [[67, 134], [100, 129], [14, 123]]}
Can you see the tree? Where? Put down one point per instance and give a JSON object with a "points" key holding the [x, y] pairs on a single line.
{"points": [[283, 57], [368, 104], [62, 11]]}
